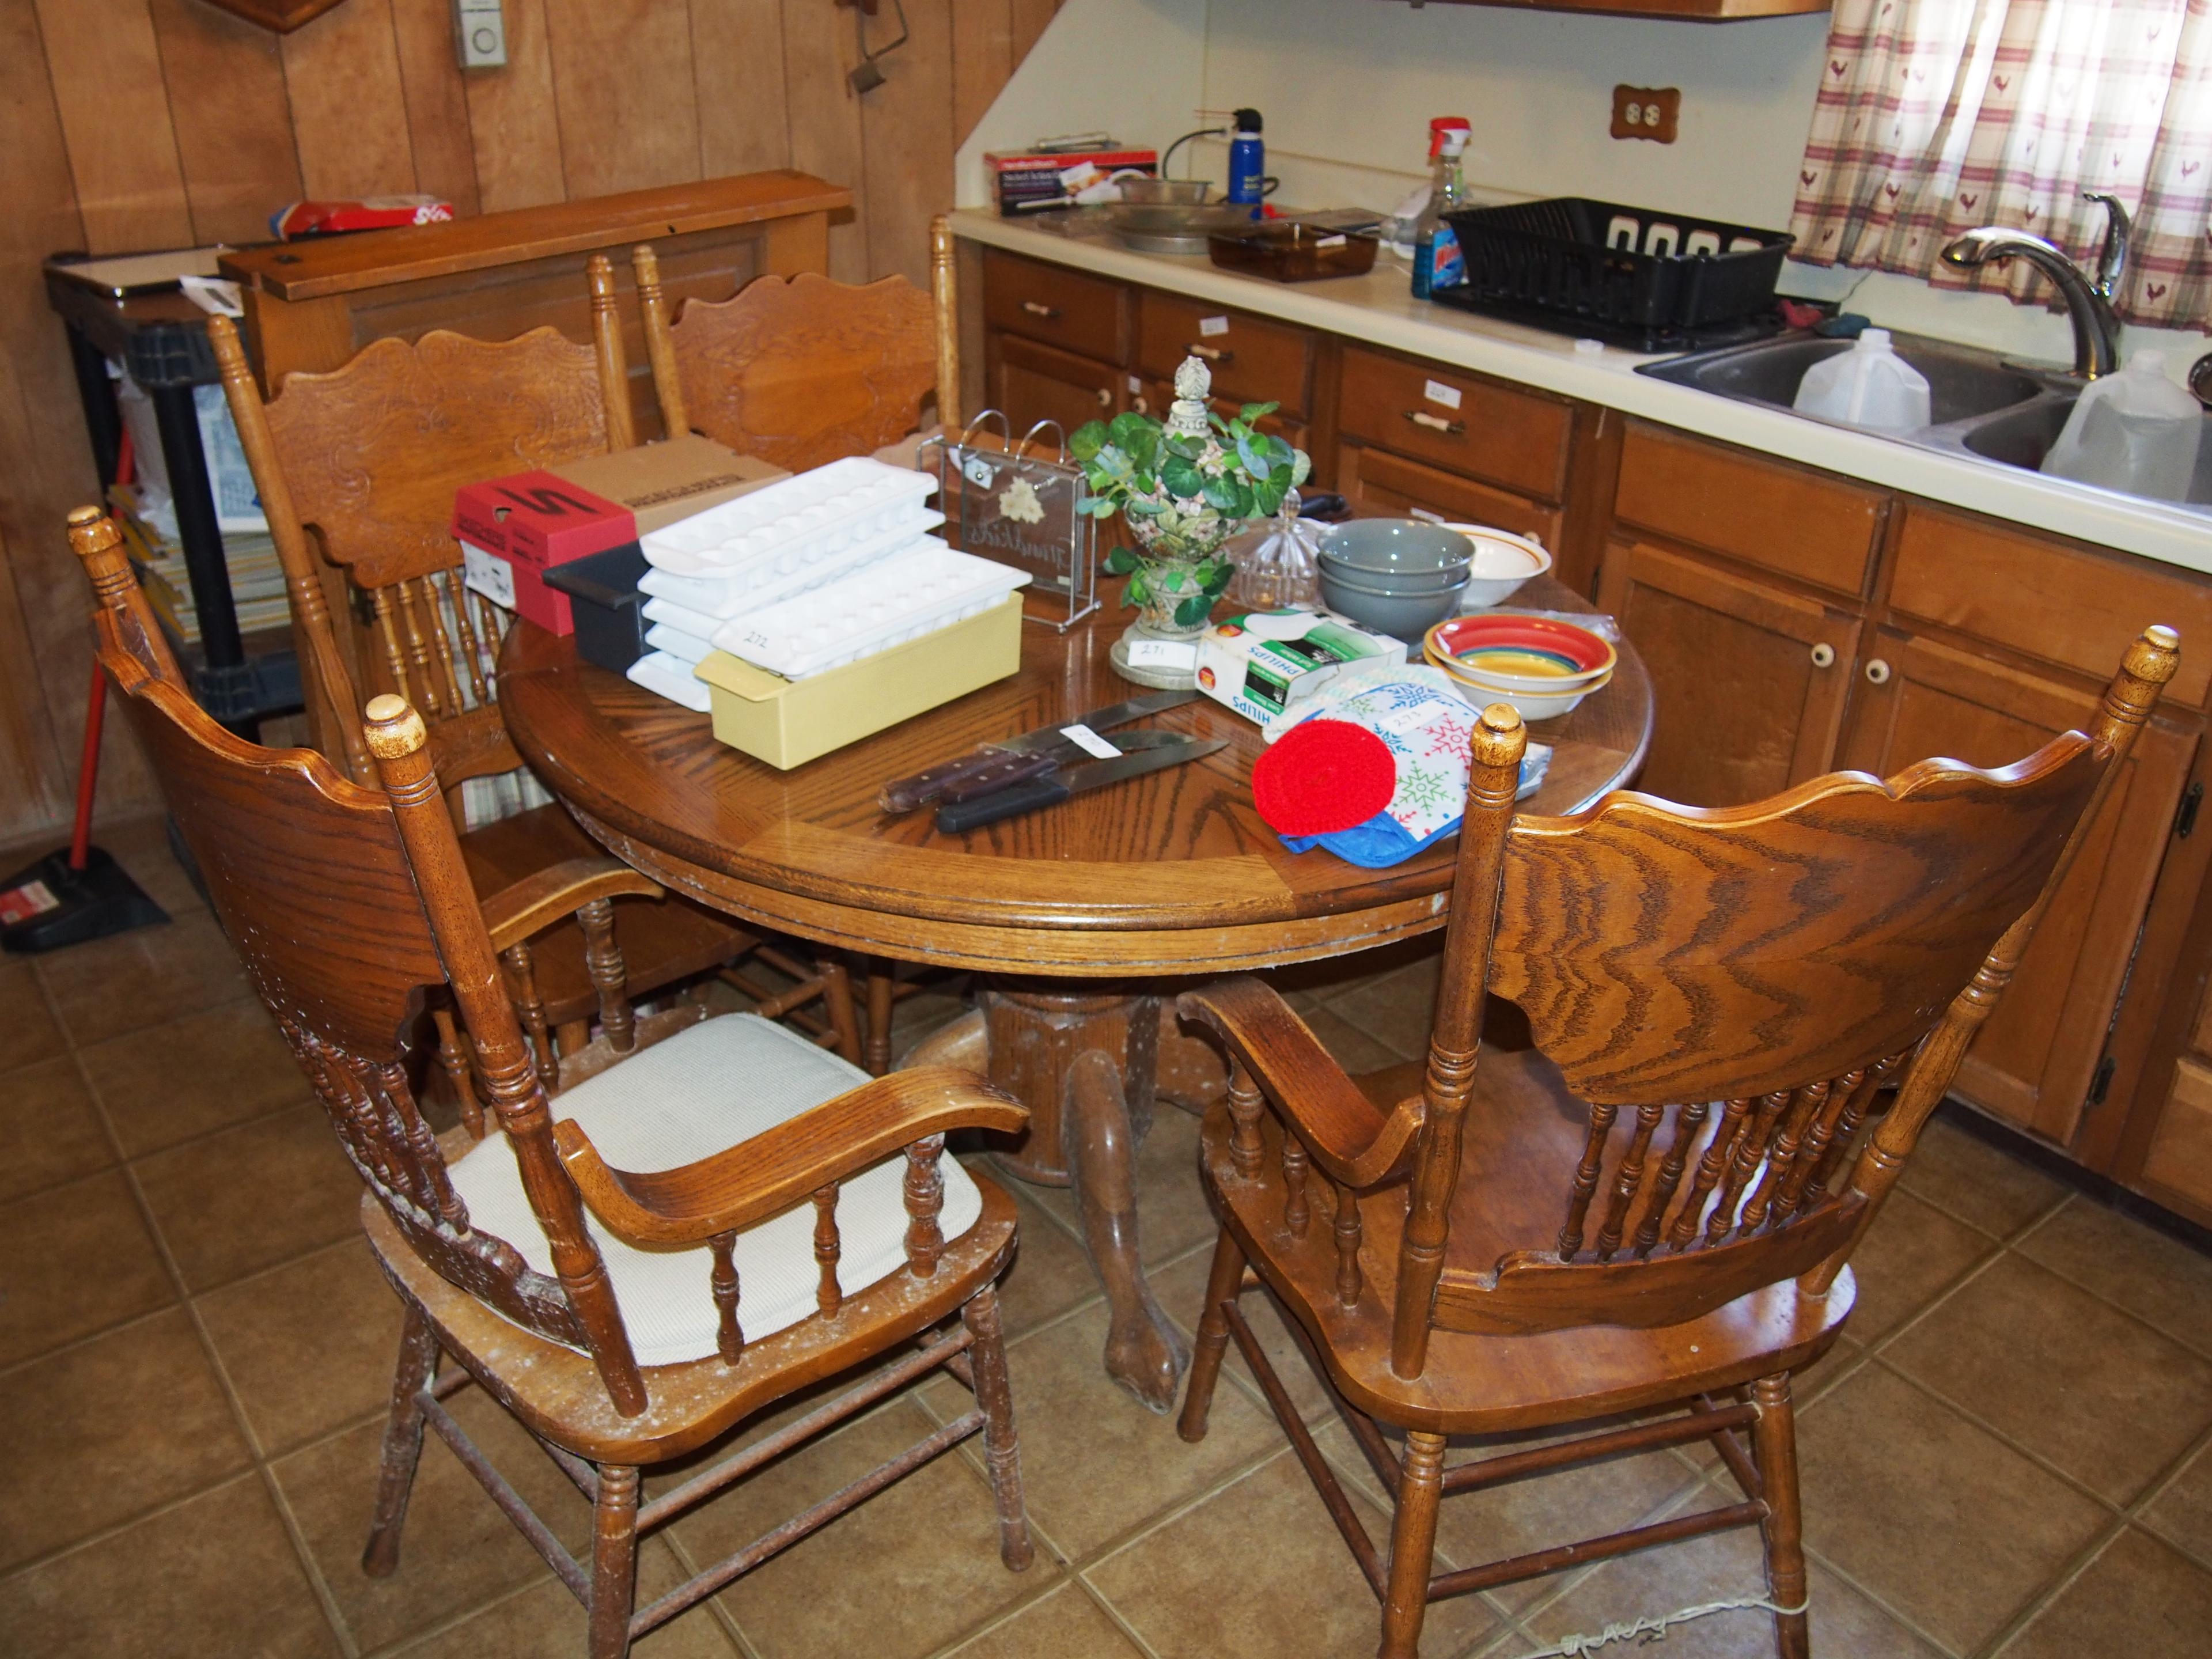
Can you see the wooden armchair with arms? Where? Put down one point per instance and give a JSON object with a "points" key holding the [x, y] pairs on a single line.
{"points": [[1656, 1205], [362, 463], [767, 1235]]}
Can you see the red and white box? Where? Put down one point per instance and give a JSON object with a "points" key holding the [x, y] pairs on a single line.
{"points": [[513, 530], [1027, 181]]}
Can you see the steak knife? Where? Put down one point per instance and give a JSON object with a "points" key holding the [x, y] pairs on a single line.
{"points": [[904, 794], [959, 817]]}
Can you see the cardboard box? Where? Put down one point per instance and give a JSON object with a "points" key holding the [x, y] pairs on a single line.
{"points": [[1027, 180], [512, 530], [1264, 662], [789, 722]]}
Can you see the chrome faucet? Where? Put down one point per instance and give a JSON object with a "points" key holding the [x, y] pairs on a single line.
{"points": [[2088, 303]]}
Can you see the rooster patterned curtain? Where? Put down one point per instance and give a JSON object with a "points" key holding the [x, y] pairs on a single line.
{"points": [[1936, 116]]}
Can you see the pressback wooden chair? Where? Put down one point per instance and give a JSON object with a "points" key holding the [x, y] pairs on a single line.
{"points": [[363, 463], [1656, 1204], [803, 371], [771, 1236]]}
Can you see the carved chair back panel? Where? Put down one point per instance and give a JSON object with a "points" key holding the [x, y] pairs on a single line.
{"points": [[803, 372]]}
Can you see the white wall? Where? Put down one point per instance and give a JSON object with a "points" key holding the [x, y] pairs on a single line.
{"points": [[1349, 87]]}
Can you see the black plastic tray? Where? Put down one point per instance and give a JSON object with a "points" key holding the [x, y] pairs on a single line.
{"points": [[1575, 257]]}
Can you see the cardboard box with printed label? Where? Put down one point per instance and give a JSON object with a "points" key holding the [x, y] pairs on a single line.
{"points": [[1264, 662]]}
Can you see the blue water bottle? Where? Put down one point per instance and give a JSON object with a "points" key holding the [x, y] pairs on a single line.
{"points": [[1248, 161]]}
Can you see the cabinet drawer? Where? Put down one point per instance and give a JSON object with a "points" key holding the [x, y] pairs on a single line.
{"points": [[2065, 604], [1377, 478], [1055, 305], [1795, 522], [1457, 420], [1030, 383], [2180, 1156], [1254, 362]]}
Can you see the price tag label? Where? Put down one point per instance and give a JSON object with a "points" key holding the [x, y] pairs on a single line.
{"points": [[1415, 717], [1210, 326], [1162, 653], [1088, 740], [1437, 393], [489, 574], [1327, 243]]}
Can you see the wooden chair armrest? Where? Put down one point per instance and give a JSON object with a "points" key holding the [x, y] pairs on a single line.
{"points": [[537, 902], [1353, 1140], [768, 1174]]}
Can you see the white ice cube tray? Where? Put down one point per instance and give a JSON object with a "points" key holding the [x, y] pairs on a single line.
{"points": [[897, 598], [684, 647], [669, 614], [671, 677], [807, 518], [793, 569]]}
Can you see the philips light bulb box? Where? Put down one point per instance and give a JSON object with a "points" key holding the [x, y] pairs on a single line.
{"points": [[1264, 662]]}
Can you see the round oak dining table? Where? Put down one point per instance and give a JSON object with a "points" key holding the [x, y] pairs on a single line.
{"points": [[1085, 915]]}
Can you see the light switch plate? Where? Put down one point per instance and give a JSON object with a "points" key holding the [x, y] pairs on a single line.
{"points": [[1646, 113], [480, 34]]}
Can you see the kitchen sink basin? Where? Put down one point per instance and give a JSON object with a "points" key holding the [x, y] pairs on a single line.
{"points": [[2023, 436], [1961, 382]]}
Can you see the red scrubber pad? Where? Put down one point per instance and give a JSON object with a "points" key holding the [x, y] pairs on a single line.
{"points": [[1323, 775]]}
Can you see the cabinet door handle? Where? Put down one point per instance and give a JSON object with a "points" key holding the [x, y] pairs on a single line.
{"points": [[1877, 671], [1036, 308], [1141, 405], [1212, 353], [1105, 397], [1824, 655], [1436, 422]]}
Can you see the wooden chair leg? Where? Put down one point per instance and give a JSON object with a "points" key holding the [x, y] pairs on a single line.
{"points": [[882, 993], [614, 1561], [994, 1394], [572, 1036], [844, 1019], [1413, 1546], [1774, 1438], [403, 1445], [1222, 1282]]}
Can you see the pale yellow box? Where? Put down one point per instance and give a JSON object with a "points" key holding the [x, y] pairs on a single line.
{"points": [[788, 723]]}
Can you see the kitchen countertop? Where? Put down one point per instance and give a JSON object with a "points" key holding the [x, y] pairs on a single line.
{"points": [[1378, 309]]}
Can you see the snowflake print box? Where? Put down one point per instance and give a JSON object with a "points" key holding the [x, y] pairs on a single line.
{"points": [[1264, 664]]}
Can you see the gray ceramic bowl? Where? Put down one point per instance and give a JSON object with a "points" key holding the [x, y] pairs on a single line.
{"points": [[1451, 577], [1396, 547], [1405, 616]]}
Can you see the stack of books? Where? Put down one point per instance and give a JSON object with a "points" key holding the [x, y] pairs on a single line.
{"points": [[256, 580]]}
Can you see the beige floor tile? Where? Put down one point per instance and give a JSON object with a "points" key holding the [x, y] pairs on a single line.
{"points": [[904, 1574], [207, 1071], [2182, 1514], [1172, 1215], [253, 1196], [1975, 1182], [1396, 1010], [144, 978], [107, 1430], [309, 1347], [2073, 1379], [141, 846], [1913, 1252], [547, 1622], [2137, 1598], [1065, 1624], [458, 1551], [1722, 1567], [1050, 1272], [49, 1129], [214, 1578], [1936, 1516], [1094, 1460], [74, 1259], [32, 1034], [1258, 1571], [917, 1017], [2153, 1276], [1348, 1044]]}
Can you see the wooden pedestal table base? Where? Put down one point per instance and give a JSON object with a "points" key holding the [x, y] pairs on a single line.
{"points": [[1089, 1068]]}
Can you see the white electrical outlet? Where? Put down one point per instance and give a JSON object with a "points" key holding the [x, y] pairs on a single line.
{"points": [[479, 33]]}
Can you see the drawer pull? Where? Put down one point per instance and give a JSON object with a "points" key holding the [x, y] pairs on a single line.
{"points": [[1038, 309], [1877, 671], [1212, 353], [1105, 397], [1436, 422], [1824, 655]]}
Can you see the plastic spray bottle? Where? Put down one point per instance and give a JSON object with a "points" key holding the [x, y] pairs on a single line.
{"points": [[1437, 262]]}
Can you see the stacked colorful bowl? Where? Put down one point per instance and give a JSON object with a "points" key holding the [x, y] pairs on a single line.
{"points": [[1541, 665]]}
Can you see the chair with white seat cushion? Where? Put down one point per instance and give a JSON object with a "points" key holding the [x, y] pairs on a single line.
{"points": [[714, 1214]]}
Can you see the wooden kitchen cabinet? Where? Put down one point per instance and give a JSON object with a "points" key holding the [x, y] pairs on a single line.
{"points": [[1749, 679], [1031, 383], [1056, 307], [1460, 423], [1390, 483], [2034, 1064], [1251, 359]]}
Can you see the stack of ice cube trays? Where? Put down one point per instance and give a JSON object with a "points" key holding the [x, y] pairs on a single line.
{"points": [[806, 574]]}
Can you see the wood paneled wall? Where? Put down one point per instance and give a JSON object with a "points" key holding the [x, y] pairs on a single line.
{"points": [[146, 123]]}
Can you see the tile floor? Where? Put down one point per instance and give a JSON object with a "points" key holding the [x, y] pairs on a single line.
{"points": [[2010, 1454]]}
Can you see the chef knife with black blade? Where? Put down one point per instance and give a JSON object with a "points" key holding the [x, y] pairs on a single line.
{"points": [[904, 794], [961, 816]]}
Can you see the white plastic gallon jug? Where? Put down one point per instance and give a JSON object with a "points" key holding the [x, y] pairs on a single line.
{"points": [[2135, 430], [1869, 385]]}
